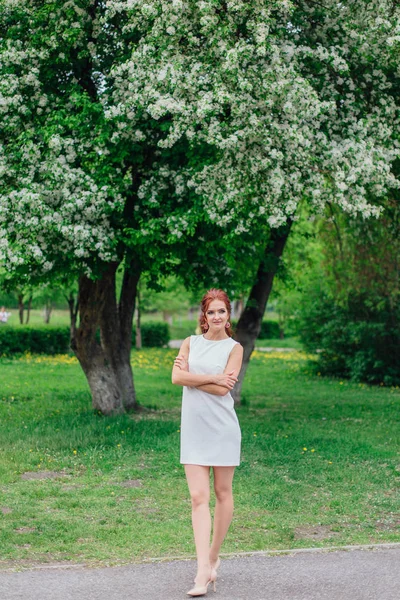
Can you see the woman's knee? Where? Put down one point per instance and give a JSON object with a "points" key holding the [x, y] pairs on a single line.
{"points": [[199, 498], [223, 494]]}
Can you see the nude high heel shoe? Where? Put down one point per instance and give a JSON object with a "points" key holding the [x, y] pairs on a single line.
{"points": [[201, 590], [214, 569]]}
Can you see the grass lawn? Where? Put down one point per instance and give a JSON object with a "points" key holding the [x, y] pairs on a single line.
{"points": [[320, 464], [58, 318], [287, 342]]}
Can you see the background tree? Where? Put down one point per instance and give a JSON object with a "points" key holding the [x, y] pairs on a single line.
{"points": [[351, 310], [46, 296], [299, 264], [349, 55], [170, 298]]}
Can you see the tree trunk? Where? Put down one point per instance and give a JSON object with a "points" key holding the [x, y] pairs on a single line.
{"points": [[73, 313], [21, 308], [28, 313], [138, 340], [237, 308], [106, 361], [126, 310], [249, 324], [167, 317], [48, 307]]}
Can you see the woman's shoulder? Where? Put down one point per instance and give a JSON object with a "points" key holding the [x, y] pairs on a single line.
{"points": [[236, 346], [185, 346], [187, 342]]}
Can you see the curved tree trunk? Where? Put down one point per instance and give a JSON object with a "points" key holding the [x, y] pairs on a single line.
{"points": [[28, 312], [21, 308], [106, 362], [48, 308], [73, 306], [249, 324]]}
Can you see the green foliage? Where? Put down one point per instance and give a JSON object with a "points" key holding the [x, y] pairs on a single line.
{"points": [[181, 132], [56, 340], [269, 329], [8, 299], [298, 266], [154, 335], [349, 308], [44, 340], [170, 297], [181, 329], [357, 341]]}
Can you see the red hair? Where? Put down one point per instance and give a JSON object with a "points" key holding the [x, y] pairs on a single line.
{"points": [[208, 297]]}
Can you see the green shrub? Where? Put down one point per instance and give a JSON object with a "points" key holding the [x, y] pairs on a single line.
{"points": [[269, 330], [360, 341], [154, 335], [44, 340], [56, 340]]}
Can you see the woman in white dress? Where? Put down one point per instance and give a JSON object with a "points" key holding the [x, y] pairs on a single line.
{"points": [[207, 367]]}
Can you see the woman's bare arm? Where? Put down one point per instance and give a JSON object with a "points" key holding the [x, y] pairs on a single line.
{"points": [[233, 366], [213, 388], [181, 375], [235, 360]]}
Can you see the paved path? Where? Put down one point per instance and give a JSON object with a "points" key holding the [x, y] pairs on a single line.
{"points": [[368, 574]]}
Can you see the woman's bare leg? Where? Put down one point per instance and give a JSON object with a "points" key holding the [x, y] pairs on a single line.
{"points": [[198, 478], [223, 477]]}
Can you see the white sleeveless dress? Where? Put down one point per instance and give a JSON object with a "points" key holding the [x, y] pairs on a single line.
{"points": [[210, 431]]}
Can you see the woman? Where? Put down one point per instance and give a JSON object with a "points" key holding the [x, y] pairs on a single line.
{"points": [[207, 367]]}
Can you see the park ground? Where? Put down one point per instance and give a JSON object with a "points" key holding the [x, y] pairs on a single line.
{"points": [[319, 468]]}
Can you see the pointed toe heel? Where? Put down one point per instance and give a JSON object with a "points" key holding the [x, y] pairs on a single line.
{"points": [[199, 590]]}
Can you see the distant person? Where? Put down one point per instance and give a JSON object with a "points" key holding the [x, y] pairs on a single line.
{"points": [[4, 315], [207, 367]]}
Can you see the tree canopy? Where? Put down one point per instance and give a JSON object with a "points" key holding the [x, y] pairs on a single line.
{"points": [[127, 126]]}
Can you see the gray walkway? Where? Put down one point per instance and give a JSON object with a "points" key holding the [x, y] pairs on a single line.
{"points": [[368, 574]]}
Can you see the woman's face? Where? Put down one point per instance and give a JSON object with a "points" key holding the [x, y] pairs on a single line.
{"points": [[217, 315]]}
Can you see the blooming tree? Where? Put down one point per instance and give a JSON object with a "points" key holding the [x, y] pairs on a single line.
{"points": [[129, 130], [349, 54]]}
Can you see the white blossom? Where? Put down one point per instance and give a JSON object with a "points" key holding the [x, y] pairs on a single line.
{"points": [[283, 111]]}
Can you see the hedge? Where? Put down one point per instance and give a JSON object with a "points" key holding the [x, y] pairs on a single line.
{"points": [[154, 335], [360, 342], [270, 330], [49, 340], [56, 340]]}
